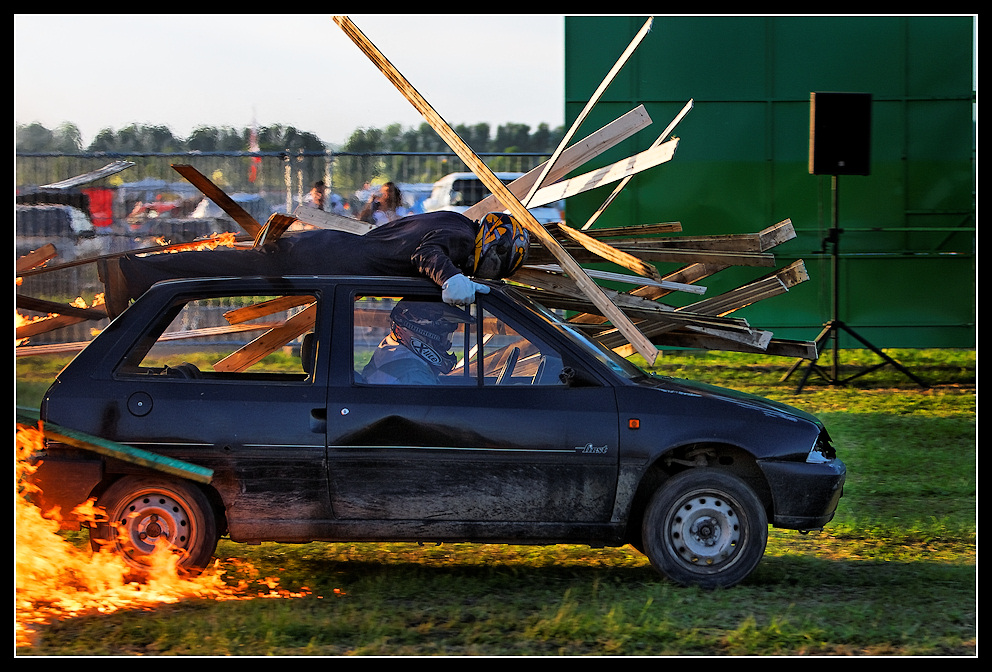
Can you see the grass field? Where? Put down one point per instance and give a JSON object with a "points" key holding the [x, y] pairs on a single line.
{"points": [[895, 573]]}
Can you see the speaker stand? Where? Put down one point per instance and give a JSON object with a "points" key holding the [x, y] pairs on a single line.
{"points": [[831, 330]]}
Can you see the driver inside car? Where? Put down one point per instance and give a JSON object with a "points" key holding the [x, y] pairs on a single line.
{"points": [[418, 347]]}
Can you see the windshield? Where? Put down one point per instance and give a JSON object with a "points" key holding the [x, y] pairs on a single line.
{"points": [[617, 364]]}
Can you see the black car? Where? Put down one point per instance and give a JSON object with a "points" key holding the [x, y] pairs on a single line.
{"points": [[521, 430]]}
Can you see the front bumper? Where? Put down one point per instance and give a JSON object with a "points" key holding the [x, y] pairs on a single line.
{"points": [[804, 495]]}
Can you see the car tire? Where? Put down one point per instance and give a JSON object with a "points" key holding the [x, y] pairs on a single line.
{"points": [[705, 527], [142, 510]]}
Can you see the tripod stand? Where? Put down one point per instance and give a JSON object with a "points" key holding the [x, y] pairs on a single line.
{"points": [[831, 330]]}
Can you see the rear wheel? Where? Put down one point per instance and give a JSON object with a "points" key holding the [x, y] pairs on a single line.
{"points": [[705, 527], [145, 511]]}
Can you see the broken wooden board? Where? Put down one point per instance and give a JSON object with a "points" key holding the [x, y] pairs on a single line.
{"points": [[274, 227], [495, 186], [35, 258], [328, 220]]}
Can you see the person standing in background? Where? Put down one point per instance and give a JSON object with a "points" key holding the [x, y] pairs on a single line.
{"points": [[384, 206]]}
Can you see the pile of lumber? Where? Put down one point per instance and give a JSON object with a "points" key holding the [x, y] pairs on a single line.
{"points": [[704, 323]]}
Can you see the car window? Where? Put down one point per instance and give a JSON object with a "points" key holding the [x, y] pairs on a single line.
{"points": [[418, 341], [240, 338]]}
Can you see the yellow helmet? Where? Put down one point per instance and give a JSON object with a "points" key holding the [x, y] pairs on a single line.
{"points": [[501, 246]]}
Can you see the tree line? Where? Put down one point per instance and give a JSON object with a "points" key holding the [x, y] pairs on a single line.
{"points": [[363, 158], [141, 138]]}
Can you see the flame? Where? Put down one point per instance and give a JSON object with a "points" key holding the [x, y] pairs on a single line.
{"points": [[219, 240], [54, 579]]}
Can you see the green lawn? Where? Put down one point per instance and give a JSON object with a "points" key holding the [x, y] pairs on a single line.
{"points": [[894, 574]]}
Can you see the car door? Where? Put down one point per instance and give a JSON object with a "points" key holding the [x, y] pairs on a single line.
{"points": [[497, 437], [233, 383]]}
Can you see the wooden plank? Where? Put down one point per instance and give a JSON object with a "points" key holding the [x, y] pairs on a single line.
{"points": [[612, 277], [49, 349], [269, 342], [623, 183], [274, 227], [45, 325], [614, 172], [223, 201], [587, 109], [610, 253], [221, 239], [117, 451], [45, 306], [738, 298], [776, 346], [110, 169], [265, 308], [748, 242], [637, 231], [582, 151], [35, 258], [328, 220], [516, 208]]}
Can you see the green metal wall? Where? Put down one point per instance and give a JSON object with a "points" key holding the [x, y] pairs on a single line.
{"points": [[907, 262]]}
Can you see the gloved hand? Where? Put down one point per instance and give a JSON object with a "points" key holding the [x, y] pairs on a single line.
{"points": [[460, 291]]}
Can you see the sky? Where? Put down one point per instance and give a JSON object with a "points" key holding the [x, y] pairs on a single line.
{"points": [[185, 71]]}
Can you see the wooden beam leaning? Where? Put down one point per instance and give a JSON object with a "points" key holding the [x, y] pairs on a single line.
{"points": [[516, 208], [610, 253], [584, 150], [223, 201]]}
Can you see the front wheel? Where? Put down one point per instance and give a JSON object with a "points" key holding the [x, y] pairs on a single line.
{"points": [[705, 527], [144, 512]]}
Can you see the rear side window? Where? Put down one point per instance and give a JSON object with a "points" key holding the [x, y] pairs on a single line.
{"points": [[240, 338]]}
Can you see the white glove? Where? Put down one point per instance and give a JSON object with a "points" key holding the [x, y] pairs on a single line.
{"points": [[460, 291]]}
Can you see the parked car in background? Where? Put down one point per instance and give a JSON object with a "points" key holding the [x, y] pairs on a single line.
{"points": [[459, 191], [527, 432], [67, 227]]}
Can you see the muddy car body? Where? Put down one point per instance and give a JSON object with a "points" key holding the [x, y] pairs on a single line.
{"points": [[534, 436]]}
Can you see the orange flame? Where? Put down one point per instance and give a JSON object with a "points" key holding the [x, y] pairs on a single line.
{"points": [[55, 579], [220, 240]]}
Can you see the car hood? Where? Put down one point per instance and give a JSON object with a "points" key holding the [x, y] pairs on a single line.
{"points": [[736, 397]]}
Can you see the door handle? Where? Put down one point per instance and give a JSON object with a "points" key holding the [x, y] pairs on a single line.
{"points": [[318, 420]]}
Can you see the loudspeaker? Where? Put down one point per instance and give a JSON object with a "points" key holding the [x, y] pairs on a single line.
{"points": [[839, 133]]}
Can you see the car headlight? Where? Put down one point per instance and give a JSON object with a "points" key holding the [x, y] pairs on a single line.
{"points": [[822, 451]]}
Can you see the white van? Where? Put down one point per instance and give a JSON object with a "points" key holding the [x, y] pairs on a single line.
{"points": [[459, 191]]}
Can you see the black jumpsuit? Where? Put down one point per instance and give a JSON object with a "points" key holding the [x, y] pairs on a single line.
{"points": [[437, 245]]}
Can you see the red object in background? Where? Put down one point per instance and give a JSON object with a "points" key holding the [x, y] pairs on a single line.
{"points": [[101, 206]]}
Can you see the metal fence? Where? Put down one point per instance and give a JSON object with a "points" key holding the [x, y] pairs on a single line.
{"points": [[149, 203]]}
